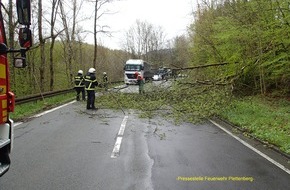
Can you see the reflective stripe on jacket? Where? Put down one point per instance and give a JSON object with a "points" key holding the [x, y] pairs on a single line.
{"points": [[91, 82], [79, 81]]}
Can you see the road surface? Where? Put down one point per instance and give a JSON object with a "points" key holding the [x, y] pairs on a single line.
{"points": [[71, 148]]}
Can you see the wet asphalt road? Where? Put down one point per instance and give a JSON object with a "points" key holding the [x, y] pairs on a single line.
{"points": [[71, 148]]}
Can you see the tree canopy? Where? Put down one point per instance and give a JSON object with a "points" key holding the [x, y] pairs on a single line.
{"points": [[252, 35]]}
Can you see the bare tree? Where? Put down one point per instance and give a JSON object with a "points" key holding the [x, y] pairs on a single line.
{"points": [[69, 42], [99, 12], [143, 38], [55, 4], [41, 46], [12, 25]]}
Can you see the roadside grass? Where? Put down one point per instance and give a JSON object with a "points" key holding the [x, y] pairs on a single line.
{"points": [[26, 110], [265, 118]]}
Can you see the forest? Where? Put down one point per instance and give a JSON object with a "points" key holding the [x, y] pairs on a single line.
{"points": [[60, 47], [250, 36]]}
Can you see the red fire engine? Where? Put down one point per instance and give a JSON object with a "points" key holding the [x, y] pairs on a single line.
{"points": [[7, 102]]}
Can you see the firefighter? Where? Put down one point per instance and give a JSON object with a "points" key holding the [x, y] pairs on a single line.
{"points": [[105, 81], [140, 82], [80, 85], [90, 84]]}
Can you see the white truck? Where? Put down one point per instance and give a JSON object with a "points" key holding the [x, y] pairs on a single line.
{"points": [[136, 65]]}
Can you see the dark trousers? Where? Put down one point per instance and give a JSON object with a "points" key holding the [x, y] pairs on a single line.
{"points": [[80, 90], [91, 99]]}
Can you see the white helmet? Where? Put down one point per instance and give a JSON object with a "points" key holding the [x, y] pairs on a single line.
{"points": [[80, 72], [104, 73], [92, 70]]}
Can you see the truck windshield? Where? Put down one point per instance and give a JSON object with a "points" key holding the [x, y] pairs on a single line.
{"points": [[132, 67]]}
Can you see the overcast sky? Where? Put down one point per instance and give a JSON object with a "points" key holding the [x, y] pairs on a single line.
{"points": [[172, 15]]}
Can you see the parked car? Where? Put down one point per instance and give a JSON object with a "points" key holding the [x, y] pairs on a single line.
{"points": [[164, 73], [157, 77]]}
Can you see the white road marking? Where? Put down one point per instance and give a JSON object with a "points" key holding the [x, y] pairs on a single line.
{"points": [[252, 148], [123, 125], [18, 123], [117, 146], [51, 110], [116, 150], [45, 112]]}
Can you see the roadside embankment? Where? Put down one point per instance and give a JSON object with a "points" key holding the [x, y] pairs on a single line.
{"points": [[264, 118]]}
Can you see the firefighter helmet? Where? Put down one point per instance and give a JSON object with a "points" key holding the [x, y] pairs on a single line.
{"points": [[92, 70], [104, 73], [80, 72]]}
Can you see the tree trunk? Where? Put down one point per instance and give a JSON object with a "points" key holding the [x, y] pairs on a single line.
{"points": [[41, 47], [95, 35], [11, 43], [70, 38], [52, 23], [68, 49]]}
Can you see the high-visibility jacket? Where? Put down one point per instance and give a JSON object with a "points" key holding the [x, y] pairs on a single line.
{"points": [[79, 81], [90, 81]]}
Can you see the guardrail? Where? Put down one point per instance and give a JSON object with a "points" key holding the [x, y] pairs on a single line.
{"points": [[41, 96], [35, 97]]}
